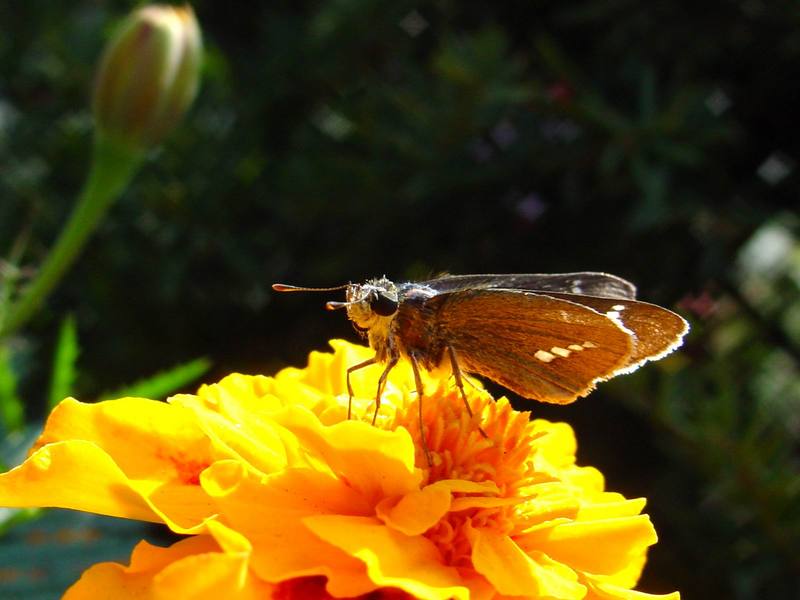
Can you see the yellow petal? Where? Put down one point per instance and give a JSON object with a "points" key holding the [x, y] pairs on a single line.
{"points": [[374, 462], [419, 510], [416, 512], [470, 502], [607, 509], [556, 446], [629, 576], [208, 577], [77, 475], [251, 439], [589, 480], [81, 476], [192, 568], [547, 501], [465, 486], [239, 396], [600, 590], [600, 547], [269, 512], [515, 573], [183, 508], [321, 386], [393, 559], [112, 580], [326, 372], [214, 575], [146, 439]]}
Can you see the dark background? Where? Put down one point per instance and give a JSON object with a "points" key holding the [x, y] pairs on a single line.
{"points": [[338, 140]]}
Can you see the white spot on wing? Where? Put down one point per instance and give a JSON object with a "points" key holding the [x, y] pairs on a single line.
{"points": [[544, 356], [618, 307], [562, 352], [614, 316], [575, 347], [589, 345]]}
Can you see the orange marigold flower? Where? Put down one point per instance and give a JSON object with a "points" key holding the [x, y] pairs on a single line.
{"points": [[281, 496]]}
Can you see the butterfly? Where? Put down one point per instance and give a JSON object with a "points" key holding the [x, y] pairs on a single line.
{"points": [[547, 337]]}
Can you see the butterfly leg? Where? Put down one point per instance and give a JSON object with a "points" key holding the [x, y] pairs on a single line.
{"points": [[460, 384], [360, 365], [420, 392], [382, 383]]}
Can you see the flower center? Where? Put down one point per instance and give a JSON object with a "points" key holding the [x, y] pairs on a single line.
{"points": [[460, 451]]}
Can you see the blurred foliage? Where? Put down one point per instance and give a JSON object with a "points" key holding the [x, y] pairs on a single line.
{"points": [[163, 383], [65, 359], [41, 557], [343, 139]]}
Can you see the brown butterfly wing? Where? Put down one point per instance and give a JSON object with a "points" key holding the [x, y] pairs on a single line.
{"points": [[540, 347], [657, 331]]}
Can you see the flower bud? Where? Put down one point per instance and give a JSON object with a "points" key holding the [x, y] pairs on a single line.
{"points": [[148, 75]]}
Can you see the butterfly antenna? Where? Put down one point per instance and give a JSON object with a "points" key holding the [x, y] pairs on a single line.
{"points": [[282, 287]]}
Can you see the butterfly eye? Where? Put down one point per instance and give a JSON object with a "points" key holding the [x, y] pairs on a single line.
{"points": [[382, 305]]}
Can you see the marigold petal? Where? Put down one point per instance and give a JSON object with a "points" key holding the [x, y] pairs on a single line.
{"points": [[239, 396], [629, 576], [214, 575], [557, 445], [602, 590], [145, 438], [110, 581], [250, 439], [346, 354], [419, 510], [393, 559], [470, 502], [269, 512], [615, 506], [513, 572], [464, 486], [600, 547], [149, 557], [590, 481], [416, 512], [77, 475], [209, 577], [192, 568], [322, 387], [375, 462], [326, 372], [183, 508], [293, 491], [113, 581]]}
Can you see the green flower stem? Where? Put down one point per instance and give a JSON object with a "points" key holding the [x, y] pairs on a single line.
{"points": [[113, 165]]}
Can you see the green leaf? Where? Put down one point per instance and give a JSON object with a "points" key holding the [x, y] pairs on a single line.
{"points": [[163, 383], [12, 412], [65, 359]]}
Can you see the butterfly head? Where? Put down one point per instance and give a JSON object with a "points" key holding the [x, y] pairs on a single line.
{"points": [[371, 304]]}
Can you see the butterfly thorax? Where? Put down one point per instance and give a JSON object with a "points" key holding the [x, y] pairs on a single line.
{"points": [[414, 328]]}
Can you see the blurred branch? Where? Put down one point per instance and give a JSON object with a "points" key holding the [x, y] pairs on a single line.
{"points": [[112, 167]]}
